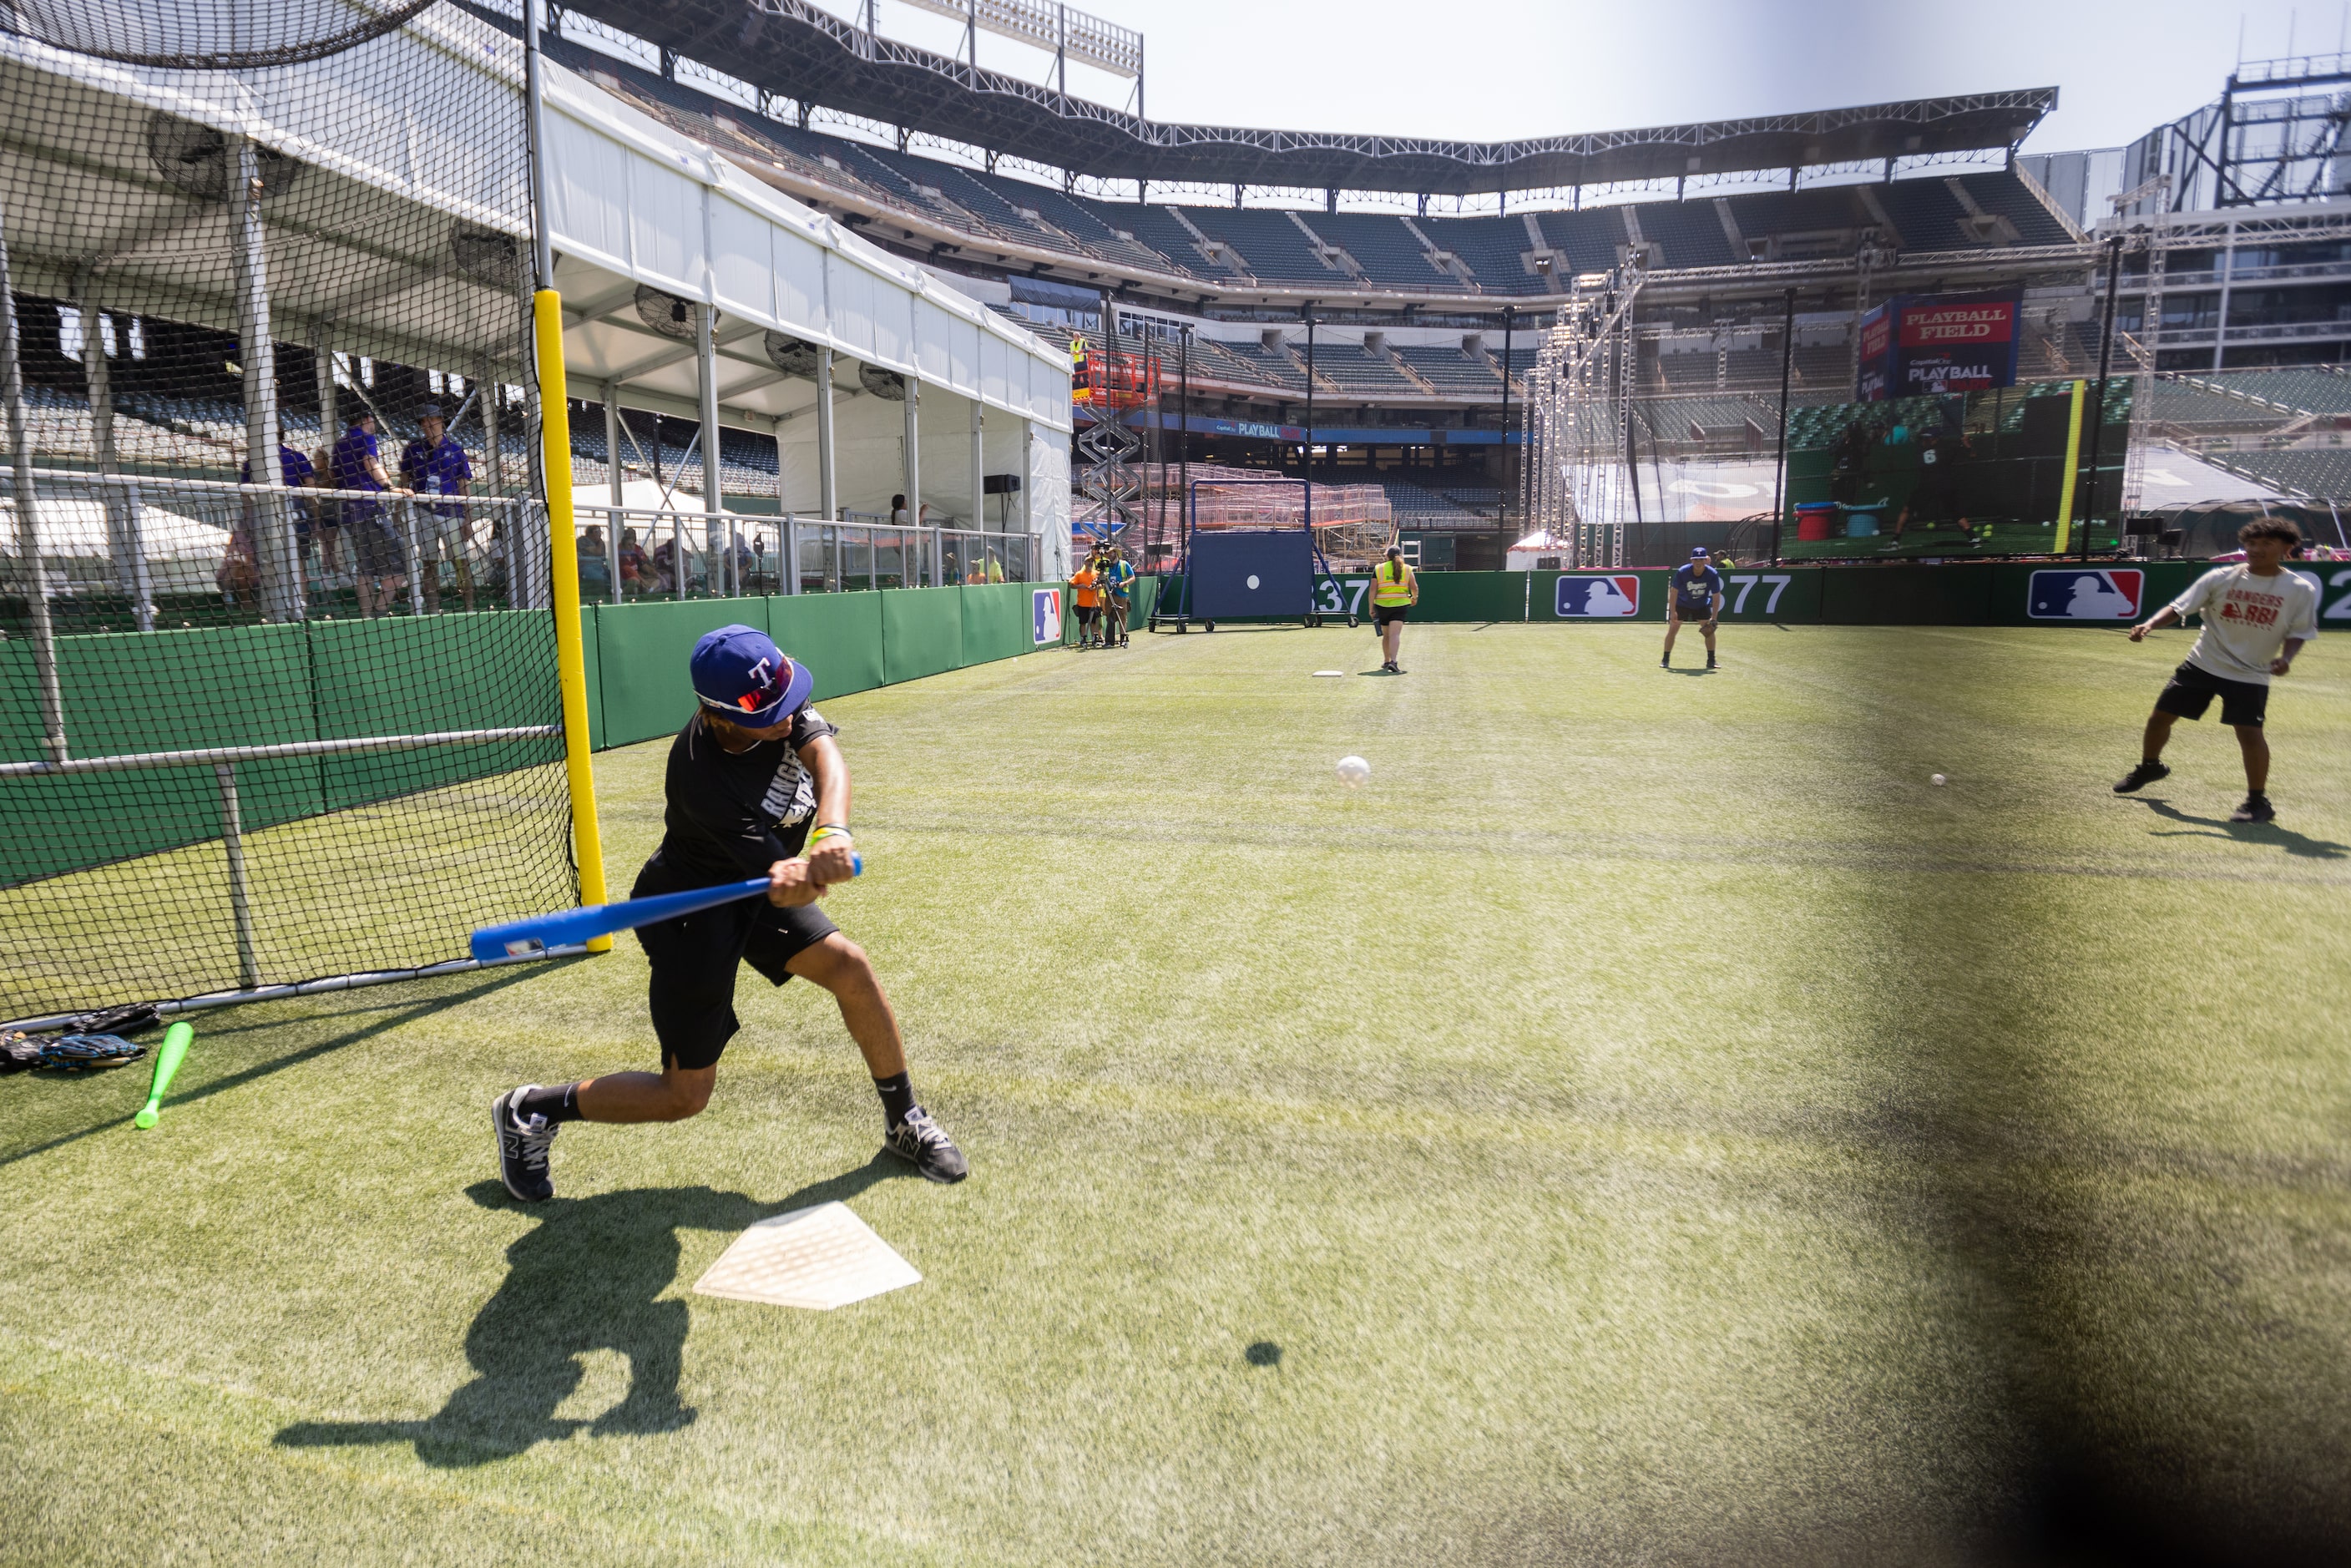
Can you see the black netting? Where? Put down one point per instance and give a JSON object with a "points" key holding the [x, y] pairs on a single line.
{"points": [[205, 34], [308, 261]]}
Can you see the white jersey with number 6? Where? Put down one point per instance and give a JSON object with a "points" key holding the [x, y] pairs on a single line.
{"points": [[2247, 619]]}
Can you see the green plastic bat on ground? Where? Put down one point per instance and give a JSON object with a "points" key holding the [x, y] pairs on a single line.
{"points": [[167, 1064]]}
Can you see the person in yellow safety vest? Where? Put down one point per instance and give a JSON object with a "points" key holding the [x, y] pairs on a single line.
{"points": [[1395, 589]]}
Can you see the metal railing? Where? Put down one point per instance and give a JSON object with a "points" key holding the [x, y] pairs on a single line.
{"points": [[634, 554], [116, 547]]}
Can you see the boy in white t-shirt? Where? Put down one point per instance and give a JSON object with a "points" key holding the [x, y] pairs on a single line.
{"points": [[2257, 616]]}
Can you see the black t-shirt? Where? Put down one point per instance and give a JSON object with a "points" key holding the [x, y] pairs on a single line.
{"points": [[731, 815]]}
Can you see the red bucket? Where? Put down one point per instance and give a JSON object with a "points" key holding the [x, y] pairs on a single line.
{"points": [[1816, 521]]}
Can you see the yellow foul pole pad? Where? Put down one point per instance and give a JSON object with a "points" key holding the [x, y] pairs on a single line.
{"points": [[2064, 493], [571, 656]]}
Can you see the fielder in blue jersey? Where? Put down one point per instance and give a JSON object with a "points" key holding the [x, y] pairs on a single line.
{"points": [[1695, 595]]}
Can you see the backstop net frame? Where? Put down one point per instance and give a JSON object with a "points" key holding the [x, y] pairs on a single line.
{"points": [[282, 712]]}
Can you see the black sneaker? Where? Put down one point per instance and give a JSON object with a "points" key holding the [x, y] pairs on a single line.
{"points": [[924, 1144], [1709, 660], [2256, 809], [2140, 777], [522, 1149], [1666, 662]]}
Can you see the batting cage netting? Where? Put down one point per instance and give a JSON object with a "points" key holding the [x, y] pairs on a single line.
{"points": [[276, 644]]}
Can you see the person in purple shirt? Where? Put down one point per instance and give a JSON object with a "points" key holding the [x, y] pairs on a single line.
{"points": [[436, 465], [241, 570], [383, 561]]}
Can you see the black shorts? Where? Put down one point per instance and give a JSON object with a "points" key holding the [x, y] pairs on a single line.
{"points": [[382, 551], [695, 956], [2192, 689], [1384, 613], [1089, 613], [1685, 612]]}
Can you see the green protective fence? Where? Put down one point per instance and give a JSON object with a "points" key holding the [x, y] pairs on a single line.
{"points": [[921, 632], [313, 681], [641, 658], [839, 635], [488, 673], [1908, 595], [638, 686], [997, 622]]}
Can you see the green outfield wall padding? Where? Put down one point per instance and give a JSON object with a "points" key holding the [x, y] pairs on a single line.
{"points": [[1908, 595], [587, 613], [997, 622], [838, 635], [921, 632], [641, 650], [1470, 596]]}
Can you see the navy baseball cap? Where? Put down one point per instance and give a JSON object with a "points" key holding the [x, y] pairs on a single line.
{"points": [[737, 672], [1700, 553], [429, 410]]}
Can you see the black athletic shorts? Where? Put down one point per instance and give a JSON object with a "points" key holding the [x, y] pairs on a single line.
{"points": [[1384, 613], [1684, 612], [2193, 687], [1089, 613], [693, 959]]}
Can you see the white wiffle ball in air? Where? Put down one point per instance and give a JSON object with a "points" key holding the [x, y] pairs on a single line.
{"points": [[1939, 778], [1354, 771]]}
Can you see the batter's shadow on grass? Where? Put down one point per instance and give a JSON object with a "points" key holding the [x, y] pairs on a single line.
{"points": [[2286, 838], [589, 1275], [393, 1017]]}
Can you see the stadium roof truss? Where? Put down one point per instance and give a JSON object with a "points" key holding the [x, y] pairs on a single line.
{"points": [[797, 49]]}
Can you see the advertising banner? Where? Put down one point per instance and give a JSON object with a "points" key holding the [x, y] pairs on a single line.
{"points": [[2083, 594], [1918, 345], [1616, 595], [1046, 615]]}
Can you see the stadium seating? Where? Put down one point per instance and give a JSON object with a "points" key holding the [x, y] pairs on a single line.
{"points": [[1688, 234], [2320, 472], [1275, 249], [2005, 195], [1415, 505], [1274, 366], [1453, 372], [1384, 248], [1590, 239], [1925, 215], [1492, 248], [1350, 367]]}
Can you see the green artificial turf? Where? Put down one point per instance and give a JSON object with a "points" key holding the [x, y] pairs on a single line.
{"points": [[1650, 1122]]}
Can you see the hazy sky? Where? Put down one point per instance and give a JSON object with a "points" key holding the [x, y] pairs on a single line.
{"points": [[1495, 71]]}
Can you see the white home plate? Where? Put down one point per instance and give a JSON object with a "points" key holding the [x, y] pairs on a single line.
{"points": [[819, 1257]]}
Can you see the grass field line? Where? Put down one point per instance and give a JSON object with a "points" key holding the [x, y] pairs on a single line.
{"points": [[1596, 847], [249, 1420], [1979, 1146]]}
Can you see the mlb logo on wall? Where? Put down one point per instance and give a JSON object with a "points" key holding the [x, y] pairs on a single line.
{"points": [[1049, 614], [2082, 595], [1601, 597]]}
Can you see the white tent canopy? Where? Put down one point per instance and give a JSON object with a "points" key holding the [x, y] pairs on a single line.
{"points": [[630, 203]]}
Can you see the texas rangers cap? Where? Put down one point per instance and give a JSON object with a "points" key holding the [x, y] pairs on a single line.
{"points": [[1700, 553], [737, 672]]}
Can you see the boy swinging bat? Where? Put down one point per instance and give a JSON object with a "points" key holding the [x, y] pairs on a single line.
{"points": [[755, 778]]}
